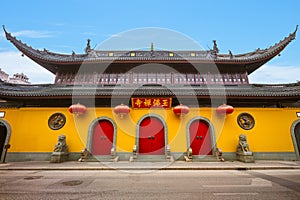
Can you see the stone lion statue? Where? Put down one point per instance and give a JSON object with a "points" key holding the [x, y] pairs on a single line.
{"points": [[243, 144], [61, 145]]}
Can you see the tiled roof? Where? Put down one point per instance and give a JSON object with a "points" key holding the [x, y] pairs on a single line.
{"points": [[11, 91], [53, 61]]}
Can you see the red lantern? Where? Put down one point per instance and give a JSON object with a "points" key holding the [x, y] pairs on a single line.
{"points": [[181, 110], [77, 109], [224, 109], [122, 110]]}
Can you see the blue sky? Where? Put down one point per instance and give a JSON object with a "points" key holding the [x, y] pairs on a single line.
{"points": [[241, 26]]}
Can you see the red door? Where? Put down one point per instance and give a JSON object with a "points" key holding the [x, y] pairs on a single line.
{"points": [[200, 139], [3, 134], [103, 136], [151, 137], [297, 136]]}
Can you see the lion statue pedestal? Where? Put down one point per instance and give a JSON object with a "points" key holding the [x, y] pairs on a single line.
{"points": [[243, 151], [60, 152]]}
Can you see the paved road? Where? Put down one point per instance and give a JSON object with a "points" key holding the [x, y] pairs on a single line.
{"points": [[194, 184]]}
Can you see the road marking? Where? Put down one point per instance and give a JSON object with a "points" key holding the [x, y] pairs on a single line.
{"points": [[232, 194], [292, 185], [261, 182], [255, 182]]}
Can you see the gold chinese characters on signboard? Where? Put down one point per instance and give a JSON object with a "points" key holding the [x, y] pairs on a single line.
{"points": [[151, 103]]}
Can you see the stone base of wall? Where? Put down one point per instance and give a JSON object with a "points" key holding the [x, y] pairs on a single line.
{"points": [[74, 156]]}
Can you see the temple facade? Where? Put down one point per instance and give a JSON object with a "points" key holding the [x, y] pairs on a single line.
{"points": [[150, 105]]}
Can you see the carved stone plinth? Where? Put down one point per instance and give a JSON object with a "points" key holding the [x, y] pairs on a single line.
{"points": [[60, 152], [246, 157], [189, 155], [134, 154], [243, 150], [58, 157]]}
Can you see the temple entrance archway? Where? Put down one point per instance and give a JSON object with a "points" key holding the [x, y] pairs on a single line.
{"points": [[102, 137], [4, 137], [295, 130], [200, 137], [151, 136]]}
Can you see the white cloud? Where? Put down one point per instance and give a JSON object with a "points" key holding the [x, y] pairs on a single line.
{"points": [[33, 34], [12, 63], [275, 74], [89, 33]]}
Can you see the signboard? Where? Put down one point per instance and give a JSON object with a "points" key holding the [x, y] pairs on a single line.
{"points": [[138, 103]]}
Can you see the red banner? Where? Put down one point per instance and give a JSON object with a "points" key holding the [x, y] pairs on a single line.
{"points": [[151, 102]]}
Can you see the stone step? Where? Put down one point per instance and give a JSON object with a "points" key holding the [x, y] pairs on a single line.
{"points": [[207, 158], [98, 159], [151, 158]]}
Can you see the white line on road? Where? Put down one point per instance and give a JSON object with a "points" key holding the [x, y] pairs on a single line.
{"points": [[231, 193], [255, 182]]}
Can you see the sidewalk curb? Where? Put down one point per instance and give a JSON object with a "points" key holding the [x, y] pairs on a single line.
{"points": [[187, 168]]}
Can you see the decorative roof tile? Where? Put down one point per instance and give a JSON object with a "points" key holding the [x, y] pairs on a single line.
{"points": [[11, 91], [53, 61]]}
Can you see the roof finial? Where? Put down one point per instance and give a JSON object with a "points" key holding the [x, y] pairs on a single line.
{"points": [[230, 54], [293, 35], [88, 46], [4, 30], [152, 47], [215, 46], [296, 28]]}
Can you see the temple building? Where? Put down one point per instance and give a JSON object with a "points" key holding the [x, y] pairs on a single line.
{"points": [[150, 105], [18, 78]]}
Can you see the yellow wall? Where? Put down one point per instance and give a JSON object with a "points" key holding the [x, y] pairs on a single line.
{"points": [[30, 131]]}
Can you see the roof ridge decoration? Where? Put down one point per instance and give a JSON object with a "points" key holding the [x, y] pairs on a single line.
{"points": [[13, 91], [53, 61]]}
